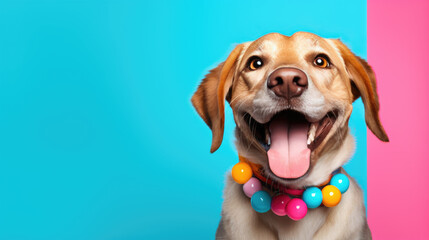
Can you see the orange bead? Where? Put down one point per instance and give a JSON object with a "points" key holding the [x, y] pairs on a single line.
{"points": [[331, 196], [241, 172]]}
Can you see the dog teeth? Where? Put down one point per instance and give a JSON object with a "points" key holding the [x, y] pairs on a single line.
{"points": [[267, 136], [311, 133]]}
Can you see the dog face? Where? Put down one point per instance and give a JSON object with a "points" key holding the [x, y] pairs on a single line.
{"points": [[291, 98]]}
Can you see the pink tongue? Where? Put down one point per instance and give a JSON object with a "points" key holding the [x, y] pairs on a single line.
{"points": [[288, 155]]}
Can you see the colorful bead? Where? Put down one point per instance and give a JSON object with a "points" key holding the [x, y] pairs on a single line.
{"points": [[296, 209], [331, 196], [261, 201], [241, 172], [279, 203], [252, 186], [312, 197], [295, 192], [341, 182]]}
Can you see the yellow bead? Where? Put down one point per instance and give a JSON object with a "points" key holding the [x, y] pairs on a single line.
{"points": [[241, 172], [331, 196]]}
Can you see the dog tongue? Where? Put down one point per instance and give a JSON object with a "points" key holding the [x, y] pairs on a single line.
{"points": [[288, 155]]}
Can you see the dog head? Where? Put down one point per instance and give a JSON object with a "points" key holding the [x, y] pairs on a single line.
{"points": [[291, 98]]}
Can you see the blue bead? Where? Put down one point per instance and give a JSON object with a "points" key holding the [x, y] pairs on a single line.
{"points": [[261, 201], [341, 182], [312, 196]]}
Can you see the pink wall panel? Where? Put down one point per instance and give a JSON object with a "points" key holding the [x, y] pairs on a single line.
{"points": [[398, 172]]}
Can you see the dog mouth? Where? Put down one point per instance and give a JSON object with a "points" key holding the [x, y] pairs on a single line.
{"points": [[289, 139]]}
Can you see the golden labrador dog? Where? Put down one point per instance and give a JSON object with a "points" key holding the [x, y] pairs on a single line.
{"points": [[291, 99]]}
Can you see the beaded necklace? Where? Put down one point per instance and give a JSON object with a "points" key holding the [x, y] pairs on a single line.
{"points": [[291, 202]]}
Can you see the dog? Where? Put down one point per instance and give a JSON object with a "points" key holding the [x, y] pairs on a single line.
{"points": [[291, 98]]}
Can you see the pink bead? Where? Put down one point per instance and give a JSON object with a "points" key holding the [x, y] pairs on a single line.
{"points": [[296, 209], [252, 186], [279, 203], [295, 192]]}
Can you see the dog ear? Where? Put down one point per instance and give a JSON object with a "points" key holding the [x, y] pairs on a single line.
{"points": [[363, 85], [209, 99]]}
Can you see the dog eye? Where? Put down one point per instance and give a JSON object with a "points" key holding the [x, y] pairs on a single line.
{"points": [[321, 61], [255, 63]]}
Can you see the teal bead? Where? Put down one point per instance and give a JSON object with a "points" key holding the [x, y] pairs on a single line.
{"points": [[312, 196], [340, 181], [261, 201]]}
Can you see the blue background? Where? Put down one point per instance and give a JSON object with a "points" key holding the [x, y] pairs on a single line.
{"points": [[98, 139]]}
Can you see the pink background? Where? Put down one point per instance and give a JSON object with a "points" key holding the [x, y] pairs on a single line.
{"points": [[398, 172]]}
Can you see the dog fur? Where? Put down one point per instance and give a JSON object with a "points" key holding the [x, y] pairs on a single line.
{"points": [[329, 89]]}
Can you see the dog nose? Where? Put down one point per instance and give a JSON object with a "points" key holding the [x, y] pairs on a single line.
{"points": [[287, 82]]}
